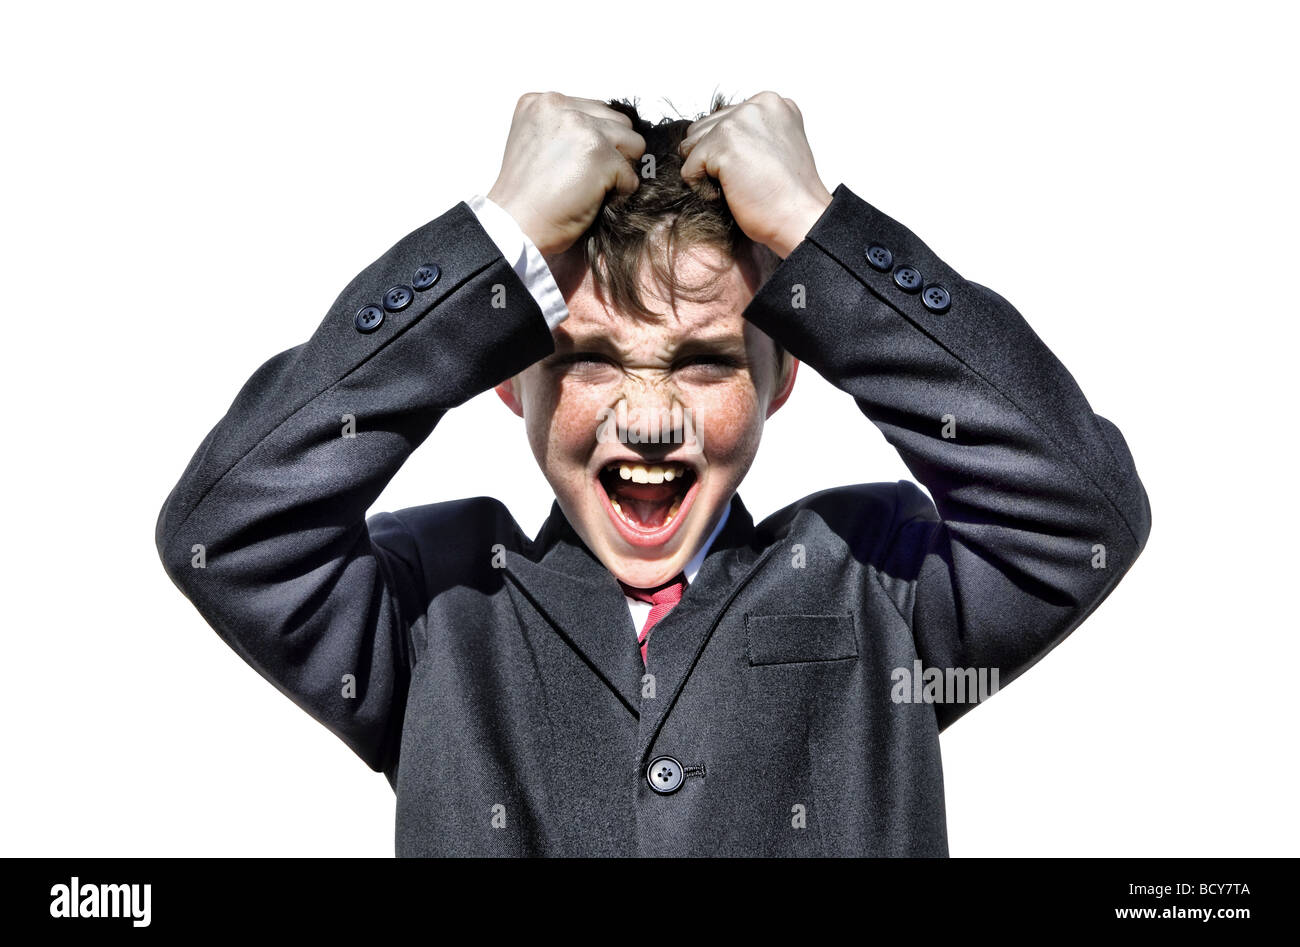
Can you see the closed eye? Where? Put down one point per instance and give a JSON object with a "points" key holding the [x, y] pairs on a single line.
{"points": [[591, 367], [708, 365]]}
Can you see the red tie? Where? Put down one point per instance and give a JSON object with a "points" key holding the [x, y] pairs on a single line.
{"points": [[661, 602]]}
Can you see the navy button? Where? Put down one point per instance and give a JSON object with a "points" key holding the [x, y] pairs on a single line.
{"points": [[880, 258], [936, 298], [369, 318], [426, 276], [665, 775], [908, 279], [398, 298]]}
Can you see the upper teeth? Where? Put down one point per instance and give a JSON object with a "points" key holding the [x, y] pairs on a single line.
{"points": [[639, 473]]}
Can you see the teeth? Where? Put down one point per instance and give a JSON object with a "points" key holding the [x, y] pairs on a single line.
{"points": [[659, 473]]}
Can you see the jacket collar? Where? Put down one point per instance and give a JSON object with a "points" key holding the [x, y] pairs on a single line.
{"points": [[583, 603]]}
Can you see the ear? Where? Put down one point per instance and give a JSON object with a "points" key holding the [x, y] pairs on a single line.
{"points": [[785, 384], [507, 393]]}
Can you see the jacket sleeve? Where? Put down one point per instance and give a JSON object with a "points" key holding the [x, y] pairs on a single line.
{"points": [[266, 532], [1038, 509]]}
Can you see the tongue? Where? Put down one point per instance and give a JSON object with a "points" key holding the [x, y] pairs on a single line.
{"points": [[646, 503], [654, 492], [647, 513]]}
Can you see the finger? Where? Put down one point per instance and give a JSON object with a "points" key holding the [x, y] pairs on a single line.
{"points": [[598, 109], [625, 179], [629, 143], [698, 130], [701, 161]]}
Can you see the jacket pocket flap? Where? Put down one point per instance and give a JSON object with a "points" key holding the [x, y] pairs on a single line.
{"points": [[790, 639]]}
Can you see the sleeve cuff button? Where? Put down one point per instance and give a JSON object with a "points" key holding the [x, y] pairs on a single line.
{"points": [[908, 279], [880, 258], [426, 276], [369, 318], [398, 298], [936, 298]]}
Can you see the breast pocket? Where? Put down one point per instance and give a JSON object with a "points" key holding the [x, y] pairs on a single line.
{"points": [[796, 639]]}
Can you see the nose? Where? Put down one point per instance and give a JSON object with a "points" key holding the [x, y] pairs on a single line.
{"points": [[652, 413]]}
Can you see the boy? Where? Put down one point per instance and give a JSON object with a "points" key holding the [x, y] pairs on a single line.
{"points": [[654, 674]]}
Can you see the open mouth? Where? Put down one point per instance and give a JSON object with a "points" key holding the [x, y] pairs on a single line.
{"points": [[647, 501]]}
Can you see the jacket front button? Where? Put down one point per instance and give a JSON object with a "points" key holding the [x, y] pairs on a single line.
{"points": [[369, 318], [908, 279], [664, 775], [398, 298], [426, 276], [936, 298]]}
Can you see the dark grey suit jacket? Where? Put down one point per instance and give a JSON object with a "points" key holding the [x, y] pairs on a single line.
{"points": [[495, 679]]}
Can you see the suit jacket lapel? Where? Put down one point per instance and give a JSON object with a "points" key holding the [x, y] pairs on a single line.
{"points": [[582, 602], [680, 636]]}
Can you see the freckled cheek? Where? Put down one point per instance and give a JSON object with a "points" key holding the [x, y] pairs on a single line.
{"points": [[565, 426], [730, 423]]}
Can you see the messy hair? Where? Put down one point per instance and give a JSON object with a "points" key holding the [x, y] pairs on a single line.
{"points": [[666, 214]]}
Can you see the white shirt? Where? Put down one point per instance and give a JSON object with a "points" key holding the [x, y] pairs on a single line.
{"points": [[523, 256], [527, 261]]}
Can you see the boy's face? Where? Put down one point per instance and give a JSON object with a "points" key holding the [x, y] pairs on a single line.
{"points": [[644, 430]]}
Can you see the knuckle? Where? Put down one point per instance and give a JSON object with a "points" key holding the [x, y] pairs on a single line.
{"points": [[590, 141], [550, 100], [573, 118]]}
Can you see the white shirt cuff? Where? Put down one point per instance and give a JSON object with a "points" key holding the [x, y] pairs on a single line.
{"points": [[523, 256]]}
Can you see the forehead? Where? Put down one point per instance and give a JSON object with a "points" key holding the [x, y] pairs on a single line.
{"points": [[719, 317]]}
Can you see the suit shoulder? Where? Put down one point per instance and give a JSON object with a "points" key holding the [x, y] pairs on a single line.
{"points": [[862, 514], [864, 522], [447, 529]]}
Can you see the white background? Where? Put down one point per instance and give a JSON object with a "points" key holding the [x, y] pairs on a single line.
{"points": [[187, 189]]}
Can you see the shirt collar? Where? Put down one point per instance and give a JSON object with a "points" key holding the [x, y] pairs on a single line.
{"points": [[697, 560]]}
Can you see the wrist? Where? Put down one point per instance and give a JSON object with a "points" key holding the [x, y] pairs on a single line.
{"points": [[799, 223], [521, 218]]}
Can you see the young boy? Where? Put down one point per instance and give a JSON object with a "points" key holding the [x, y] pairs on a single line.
{"points": [[654, 674]]}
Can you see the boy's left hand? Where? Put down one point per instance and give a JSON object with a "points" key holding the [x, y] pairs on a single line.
{"points": [[758, 152]]}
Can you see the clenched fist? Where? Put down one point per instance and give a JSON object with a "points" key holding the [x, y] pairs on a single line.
{"points": [[758, 152], [563, 155]]}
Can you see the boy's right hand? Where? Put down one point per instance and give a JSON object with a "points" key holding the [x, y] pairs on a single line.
{"points": [[563, 155]]}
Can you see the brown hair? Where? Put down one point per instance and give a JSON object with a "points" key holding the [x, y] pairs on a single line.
{"points": [[664, 215]]}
